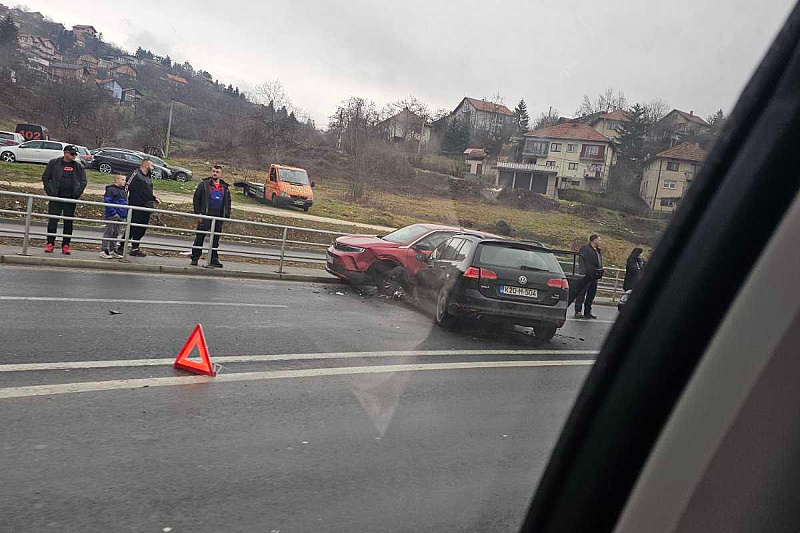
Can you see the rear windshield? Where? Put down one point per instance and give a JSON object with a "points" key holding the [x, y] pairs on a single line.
{"points": [[406, 235], [517, 257]]}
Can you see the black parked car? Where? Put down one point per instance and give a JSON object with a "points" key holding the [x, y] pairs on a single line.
{"points": [[177, 173], [498, 281], [109, 160]]}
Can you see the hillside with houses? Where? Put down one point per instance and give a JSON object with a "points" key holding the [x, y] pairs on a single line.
{"points": [[642, 157]]}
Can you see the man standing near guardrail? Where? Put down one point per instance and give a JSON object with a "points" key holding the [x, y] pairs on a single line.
{"points": [[63, 177], [592, 262], [140, 193], [213, 198]]}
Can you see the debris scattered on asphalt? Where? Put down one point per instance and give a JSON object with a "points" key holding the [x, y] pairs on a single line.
{"points": [[316, 292], [304, 442], [339, 293], [114, 312]]}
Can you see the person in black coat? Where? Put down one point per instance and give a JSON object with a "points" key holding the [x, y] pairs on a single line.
{"points": [[633, 269], [591, 262], [139, 187], [63, 177]]}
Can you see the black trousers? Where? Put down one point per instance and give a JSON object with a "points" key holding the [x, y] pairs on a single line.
{"points": [[197, 247], [63, 209], [585, 298], [138, 217]]}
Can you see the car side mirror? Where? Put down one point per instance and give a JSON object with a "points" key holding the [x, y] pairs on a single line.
{"points": [[313, 184], [422, 247]]}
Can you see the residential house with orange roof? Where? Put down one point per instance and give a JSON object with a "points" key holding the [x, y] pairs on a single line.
{"points": [[125, 71], [668, 175], [573, 155], [177, 79], [606, 123]]}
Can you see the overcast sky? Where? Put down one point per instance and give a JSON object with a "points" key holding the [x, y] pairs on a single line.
{"points": [[695, 54]]}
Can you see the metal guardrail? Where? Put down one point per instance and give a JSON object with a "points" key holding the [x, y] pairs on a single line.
{"points": [[609, 285], [28, 214]]}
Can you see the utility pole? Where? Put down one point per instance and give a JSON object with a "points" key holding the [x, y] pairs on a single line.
{"points": [[169, 127], [421, 133]]}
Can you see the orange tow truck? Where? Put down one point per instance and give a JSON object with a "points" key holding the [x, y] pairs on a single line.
{"points": [[285, 185]]}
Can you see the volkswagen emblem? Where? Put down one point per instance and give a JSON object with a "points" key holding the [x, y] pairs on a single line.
{"points": [[523, 280]]}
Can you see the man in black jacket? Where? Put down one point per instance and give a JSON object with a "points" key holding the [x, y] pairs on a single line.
{"points": [[213, 198], [63, 177], [139, 187], [591, 259]]}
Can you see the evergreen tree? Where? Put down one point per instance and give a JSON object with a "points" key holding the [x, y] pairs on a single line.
{"points": [[521, 115], [9, 44], [167, 62], [456, 137], [631, 153]]}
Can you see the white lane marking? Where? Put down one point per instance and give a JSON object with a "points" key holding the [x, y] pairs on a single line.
{"points": [[96, 386], [590, 320], [122, 301], [121, 363]]}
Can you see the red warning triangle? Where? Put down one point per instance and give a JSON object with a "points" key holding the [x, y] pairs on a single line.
{"points": [[198, 339]]}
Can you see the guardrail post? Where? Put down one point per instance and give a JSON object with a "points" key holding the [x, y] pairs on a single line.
{"points": [[27, 237], [283, 250], [616, 284], [127, 239], [211, 243]]}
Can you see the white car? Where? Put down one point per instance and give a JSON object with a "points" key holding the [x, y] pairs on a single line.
{"points": [[32, 152], [10, 138]]}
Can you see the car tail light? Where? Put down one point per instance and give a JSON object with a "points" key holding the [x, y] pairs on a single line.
{"points": [[558, 283], [488, 274], [482, 273]]}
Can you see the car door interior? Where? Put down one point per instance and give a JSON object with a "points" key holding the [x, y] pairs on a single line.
{"points": [[656, 346]]}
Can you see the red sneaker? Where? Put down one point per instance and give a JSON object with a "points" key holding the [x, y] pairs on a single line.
{"points": [[49, 248], [65, 249]]}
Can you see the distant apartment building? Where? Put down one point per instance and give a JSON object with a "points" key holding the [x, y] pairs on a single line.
{"points": [[69, 71], [679, 125], [578, 155], [668, 175], [406, 126], [112, 87], [83, 32], [483, 116]]}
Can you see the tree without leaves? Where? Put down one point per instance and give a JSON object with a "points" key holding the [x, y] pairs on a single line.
{"points": [[545, 120], [603, 103], [71, 102], [106, 120], [655, 110]]}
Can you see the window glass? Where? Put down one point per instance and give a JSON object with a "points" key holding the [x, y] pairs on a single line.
{"points": [[47, 145], [435, 238], [31, 144]]}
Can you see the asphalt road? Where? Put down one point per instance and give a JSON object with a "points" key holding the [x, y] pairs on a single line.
{"points": [[333, 412]]}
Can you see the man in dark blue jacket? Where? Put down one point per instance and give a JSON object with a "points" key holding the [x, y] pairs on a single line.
{"points": [[115, 194], [213, 198], [63, 177]]}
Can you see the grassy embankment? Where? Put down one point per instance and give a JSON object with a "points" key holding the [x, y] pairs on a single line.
{"points": [[427, 199]]}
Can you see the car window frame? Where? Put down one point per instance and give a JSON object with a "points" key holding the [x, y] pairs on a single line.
{"points": [[27, 145]]}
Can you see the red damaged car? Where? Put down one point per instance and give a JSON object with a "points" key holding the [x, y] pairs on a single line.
{"points": [[386, 261]]}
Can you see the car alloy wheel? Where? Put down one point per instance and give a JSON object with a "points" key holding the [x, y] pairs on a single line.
{"points": [[181, 176], [8, 157], [105, 168]]}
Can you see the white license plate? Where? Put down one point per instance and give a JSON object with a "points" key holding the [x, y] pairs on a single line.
{"points": [[519, 291]]}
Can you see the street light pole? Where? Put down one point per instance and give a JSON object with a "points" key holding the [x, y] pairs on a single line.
{"points": [[169, 127]]}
